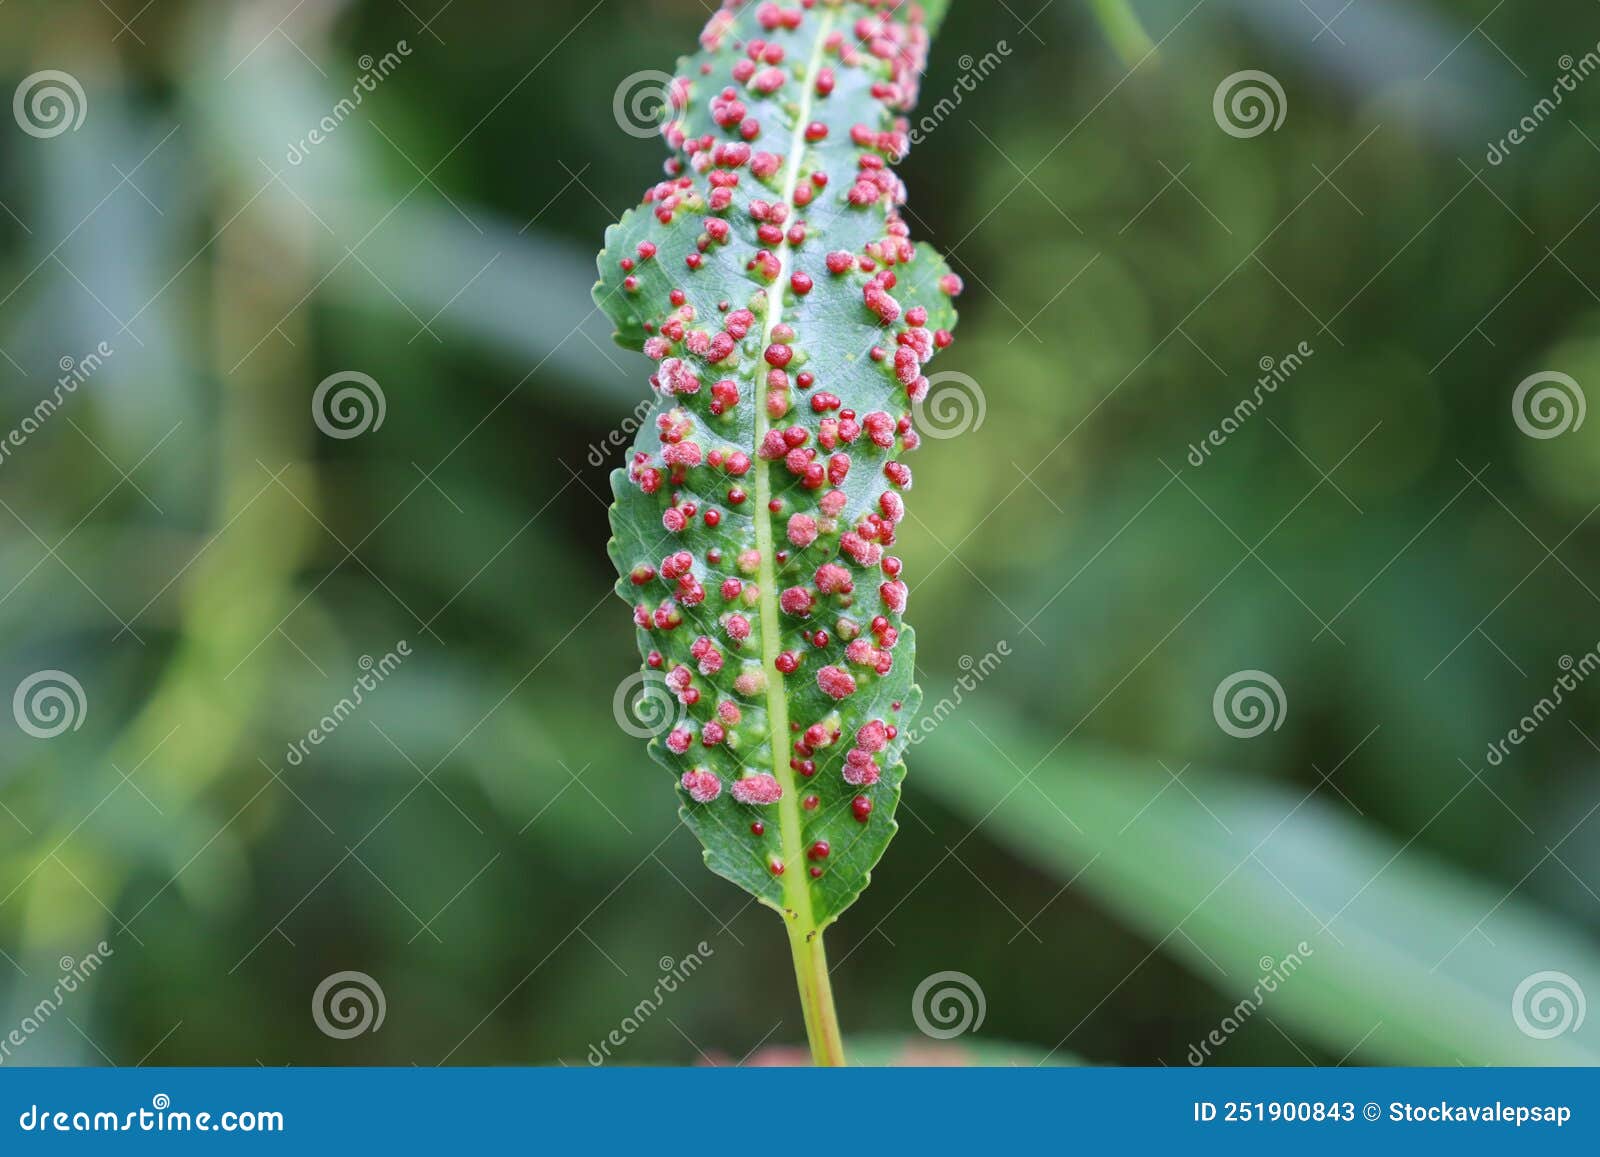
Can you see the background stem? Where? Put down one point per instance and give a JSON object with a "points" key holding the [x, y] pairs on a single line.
{"points": [[816, 995], [1121, 26]]}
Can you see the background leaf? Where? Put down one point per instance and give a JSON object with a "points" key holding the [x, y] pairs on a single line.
{"points": [[1411, 960]]}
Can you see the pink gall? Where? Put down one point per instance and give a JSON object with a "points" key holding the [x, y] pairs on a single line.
{"points": [[703, 786], [836, 682], [802, 530], [860, 770], [796, 601], [872, 736], [833, 579], [757, 790]]}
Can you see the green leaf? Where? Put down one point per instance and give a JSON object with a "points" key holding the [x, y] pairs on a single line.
{"points": [[758, 567], [1410, 961]]}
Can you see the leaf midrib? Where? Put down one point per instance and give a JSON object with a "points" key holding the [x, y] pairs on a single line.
{"points": [[797, 897]]}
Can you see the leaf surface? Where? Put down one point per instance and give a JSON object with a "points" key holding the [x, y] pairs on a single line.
{"points": [[771, 280]]}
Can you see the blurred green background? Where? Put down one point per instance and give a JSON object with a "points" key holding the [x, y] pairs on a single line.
{"points": [[1080, 837]]}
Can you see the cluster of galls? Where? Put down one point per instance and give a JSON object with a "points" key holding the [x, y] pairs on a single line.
{"points": [[819, 458], [883, 36], [704, 618]]}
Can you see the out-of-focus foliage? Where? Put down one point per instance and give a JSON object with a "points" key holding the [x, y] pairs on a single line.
{"points": [[480, 837]]}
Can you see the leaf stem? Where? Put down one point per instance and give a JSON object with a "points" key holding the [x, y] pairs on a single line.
{"points": [[805, 935], [816, 995]]}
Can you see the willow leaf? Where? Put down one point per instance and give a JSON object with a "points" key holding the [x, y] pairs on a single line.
{"points": [[771, 279]]}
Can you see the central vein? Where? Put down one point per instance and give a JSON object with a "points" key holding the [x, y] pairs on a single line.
{"points": [[797, 897]]}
